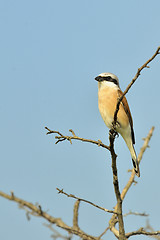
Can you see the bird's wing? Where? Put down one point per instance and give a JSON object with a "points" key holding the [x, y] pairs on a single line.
{"points": [[127, 110]]}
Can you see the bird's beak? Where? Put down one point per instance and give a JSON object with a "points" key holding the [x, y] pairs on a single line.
{"points": [[98, 78]]}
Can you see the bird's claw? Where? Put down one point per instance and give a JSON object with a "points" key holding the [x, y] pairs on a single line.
{"points": [[113, 133]]}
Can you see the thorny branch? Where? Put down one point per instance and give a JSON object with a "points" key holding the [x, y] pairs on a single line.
{"points": [[83, 200], [145, 65], [38, 210], [117, 213], [40, 213], [141, 231], [121, 233], [113, 220], [61, 138]]}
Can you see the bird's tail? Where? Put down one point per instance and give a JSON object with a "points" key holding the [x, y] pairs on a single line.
{"points": [[136, 166], [135, 161], [134, 158]]}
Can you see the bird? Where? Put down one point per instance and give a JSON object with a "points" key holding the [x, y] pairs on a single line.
{"points": [[108, 93]]}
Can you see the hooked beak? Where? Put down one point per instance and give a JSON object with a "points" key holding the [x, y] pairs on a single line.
{"points": [[98, 78]]}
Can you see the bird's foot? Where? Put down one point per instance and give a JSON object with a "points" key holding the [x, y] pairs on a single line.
{"points": [[113, 133]]}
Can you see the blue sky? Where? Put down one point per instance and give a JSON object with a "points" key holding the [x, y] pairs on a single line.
{"points": [[50, 52]]}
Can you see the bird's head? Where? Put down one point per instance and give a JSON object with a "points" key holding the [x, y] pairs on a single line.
{"points": [[107, 79]]}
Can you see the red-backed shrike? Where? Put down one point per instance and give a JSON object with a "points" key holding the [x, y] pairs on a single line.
{"points": [[108, 93]]}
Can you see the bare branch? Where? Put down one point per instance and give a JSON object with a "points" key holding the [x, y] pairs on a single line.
{"points": [[136, 214], [113, 220], [149, 227], [121, 235], [104, 232], [141, 231], [117, 213], [142, 150], [145, 65], [36, 210], [83, 200], [57, 221], [56, 234], [61, 138]]}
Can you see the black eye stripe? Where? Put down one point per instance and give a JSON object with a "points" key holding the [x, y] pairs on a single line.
{"points": [[107, 78], [110, 79]]}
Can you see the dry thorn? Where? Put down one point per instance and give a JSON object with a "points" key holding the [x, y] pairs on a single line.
{"points": [[135, 182], [12, 194], [73, 133], [40, 210], [100, 142]]}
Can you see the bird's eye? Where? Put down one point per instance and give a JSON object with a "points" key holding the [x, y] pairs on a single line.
{"points": [[107, 78]]}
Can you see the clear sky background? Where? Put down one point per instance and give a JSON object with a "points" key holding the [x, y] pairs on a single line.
{"points": [[50, 53]]}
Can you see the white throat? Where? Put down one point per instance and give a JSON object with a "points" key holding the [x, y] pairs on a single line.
{"points": [[105, 84]]}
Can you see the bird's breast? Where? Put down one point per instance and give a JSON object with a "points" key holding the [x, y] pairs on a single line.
{"points": [[107, 102]]}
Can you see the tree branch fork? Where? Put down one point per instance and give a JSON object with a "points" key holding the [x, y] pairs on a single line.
{"points": [[117, 216]]}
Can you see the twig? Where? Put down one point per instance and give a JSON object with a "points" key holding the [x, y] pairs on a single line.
{"points": [[86, 201], [75, 214], [56, 234], [150, 228], [145, 65], [104, 232], [136, 214], [61, 138]]}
